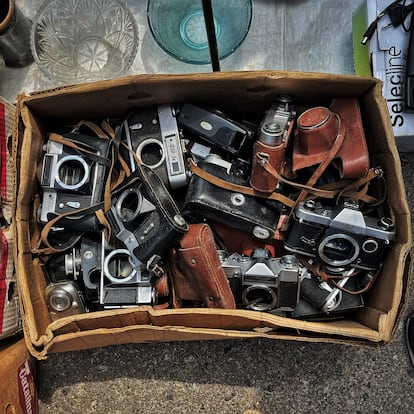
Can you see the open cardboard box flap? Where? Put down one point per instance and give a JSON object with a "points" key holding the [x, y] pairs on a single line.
{"points": [[236, 94]]}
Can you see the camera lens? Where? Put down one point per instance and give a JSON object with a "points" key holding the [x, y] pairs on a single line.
{"points": [[118, 267], [151, 153], [72, 172], [60, 300], [338, 250]]}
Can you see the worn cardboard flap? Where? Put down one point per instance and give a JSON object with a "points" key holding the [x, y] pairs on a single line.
{"points": [[238, 93]]}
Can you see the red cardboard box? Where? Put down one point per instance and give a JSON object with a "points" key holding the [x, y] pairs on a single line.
{"points": [[17, 378]]}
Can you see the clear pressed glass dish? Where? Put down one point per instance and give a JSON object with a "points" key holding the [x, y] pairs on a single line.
{"points": [[76, 41]]}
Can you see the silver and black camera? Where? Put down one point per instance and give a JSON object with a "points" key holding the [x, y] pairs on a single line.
{"points": [[73, 178], [122, 283], [152, 134], [106, 273], [64, 298], [341, 236], [262, 283]]}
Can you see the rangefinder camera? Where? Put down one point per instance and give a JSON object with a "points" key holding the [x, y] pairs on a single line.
{"points": [[123, 284], [341, 236], [277, 122], [152, 134], [106, 274], [262, 283], [72, 179]]}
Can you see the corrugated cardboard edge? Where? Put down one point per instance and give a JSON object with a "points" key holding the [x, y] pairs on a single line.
{"points": [[152, 330], [388, 322], [11, 317]]}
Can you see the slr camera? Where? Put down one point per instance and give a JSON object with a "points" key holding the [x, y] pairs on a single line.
{"points": [[262, 283], [256, 215], [73, 179], [341, 236], [64, 298], [152, 134]]}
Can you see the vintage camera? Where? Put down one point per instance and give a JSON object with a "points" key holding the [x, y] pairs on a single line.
{"points": [[73, 179], [64, 298], [272, 140], [106, 273], [122, 283], [256, 215], [215, 129], [262, 283], [340, 236], [153, 135], [144, 217], [321, 299]]}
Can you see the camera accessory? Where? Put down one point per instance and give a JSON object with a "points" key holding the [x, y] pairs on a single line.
{"points": [[215, 129], [318, 130], [341, 237], [73, 175], [262, 283], [152, 133], [64, 299], [202, 268], [320, 299], [272, 140], [258, 216], [144, 216]]}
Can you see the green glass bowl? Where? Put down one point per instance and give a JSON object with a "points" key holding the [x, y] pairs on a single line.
{"points": [[178, 27]]}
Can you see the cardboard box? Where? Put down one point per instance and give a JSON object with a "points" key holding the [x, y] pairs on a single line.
{"points": [[10, 322], [238, 93], [17, 379], [385, 56]]}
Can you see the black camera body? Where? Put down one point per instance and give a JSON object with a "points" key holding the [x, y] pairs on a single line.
{"points": [[253, 214], [215, 129], [144, 218], [152, 134], [263, 283], [73, 179], [341, 236]]}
